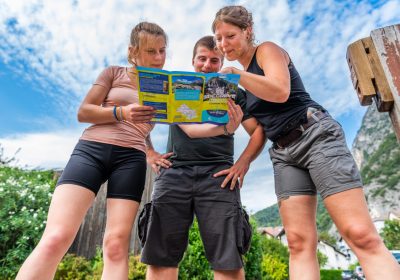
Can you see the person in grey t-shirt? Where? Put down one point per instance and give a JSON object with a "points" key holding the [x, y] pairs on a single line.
{"points": [[199, 177]]}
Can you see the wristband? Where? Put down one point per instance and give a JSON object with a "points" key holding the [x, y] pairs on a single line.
{"points": [[226, 132], [120, 113], [115, 113]]}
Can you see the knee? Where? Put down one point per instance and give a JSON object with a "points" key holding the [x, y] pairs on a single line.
{"points": [[299, 242], [56, 242], [115, 248], [363, 237]]}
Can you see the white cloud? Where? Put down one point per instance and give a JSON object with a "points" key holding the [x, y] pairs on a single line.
{"points": [[62, 46], [41, 150]]}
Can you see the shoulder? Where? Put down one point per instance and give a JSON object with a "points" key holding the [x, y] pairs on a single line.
{"points": [[269, 51], [113, 71]]}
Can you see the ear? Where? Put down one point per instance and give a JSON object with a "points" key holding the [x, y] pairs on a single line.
{"points": [[249, 31], [133, 51]]}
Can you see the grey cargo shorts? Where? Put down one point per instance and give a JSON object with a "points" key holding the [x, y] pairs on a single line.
{"points": [[179, 194], [318, 162]]}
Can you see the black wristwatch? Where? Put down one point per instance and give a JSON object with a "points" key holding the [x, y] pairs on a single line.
{"points": [[226, 132]]}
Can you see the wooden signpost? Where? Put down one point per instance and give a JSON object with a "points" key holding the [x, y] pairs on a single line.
{"points": [[374, 64]]}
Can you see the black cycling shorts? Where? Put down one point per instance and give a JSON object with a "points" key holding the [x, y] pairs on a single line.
{"points": [[93, 163]]}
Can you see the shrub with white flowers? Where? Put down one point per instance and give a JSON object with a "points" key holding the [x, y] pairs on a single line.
{"points": [[24, 200]]}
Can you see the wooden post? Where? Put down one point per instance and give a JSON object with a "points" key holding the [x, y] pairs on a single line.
{"points": [[91, 232], [387, 43], [374, 64]]}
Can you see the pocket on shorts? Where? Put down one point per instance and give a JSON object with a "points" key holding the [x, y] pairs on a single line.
{"points": [[334, 151], [143, 223], [244, 231]]}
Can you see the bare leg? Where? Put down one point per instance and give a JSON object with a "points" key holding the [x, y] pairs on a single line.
{"points": [[121, 215], [161, 272], [229, 274], [67, 210], [350, 213], [298, 217]]}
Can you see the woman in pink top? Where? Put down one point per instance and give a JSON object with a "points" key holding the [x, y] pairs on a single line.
{"points": [[113, 149]]}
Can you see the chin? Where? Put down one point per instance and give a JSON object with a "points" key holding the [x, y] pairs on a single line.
{"points": [[230, 58]]}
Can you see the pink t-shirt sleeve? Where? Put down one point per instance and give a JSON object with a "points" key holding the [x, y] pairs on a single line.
{"points": [[105, 78]]}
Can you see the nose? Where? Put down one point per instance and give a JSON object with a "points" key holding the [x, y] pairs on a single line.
{"points": [[158, 56], [207, 64], [223, 42]]}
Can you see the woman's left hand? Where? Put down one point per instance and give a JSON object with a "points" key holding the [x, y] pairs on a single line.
{"points": [[228, 70], [235, 114], [157, 160]]}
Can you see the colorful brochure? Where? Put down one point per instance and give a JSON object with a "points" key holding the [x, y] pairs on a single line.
{"points": [[187, 97]]}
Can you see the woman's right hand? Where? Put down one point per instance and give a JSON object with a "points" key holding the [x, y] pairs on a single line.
{"points": [[235, 114], [136, 113]]}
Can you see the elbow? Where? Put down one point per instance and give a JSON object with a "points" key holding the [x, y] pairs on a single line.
{"points": [[81, 115], [191, 135], [283, 96]]}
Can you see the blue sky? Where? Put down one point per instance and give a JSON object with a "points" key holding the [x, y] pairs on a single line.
{"points": [[51, 52]]}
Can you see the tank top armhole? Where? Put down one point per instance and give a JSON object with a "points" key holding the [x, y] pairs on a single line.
{"points": [[290, 59]]}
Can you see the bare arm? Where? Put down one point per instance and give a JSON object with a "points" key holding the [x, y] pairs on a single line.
{"points": [[253, 149], [210, 130], [274, 86], [91, 110]]}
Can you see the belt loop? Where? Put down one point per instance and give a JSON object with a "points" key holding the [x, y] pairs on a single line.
{"points": [[315, 117]]}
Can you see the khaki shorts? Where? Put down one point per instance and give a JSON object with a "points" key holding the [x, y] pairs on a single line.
{"points": [[318, 162]]}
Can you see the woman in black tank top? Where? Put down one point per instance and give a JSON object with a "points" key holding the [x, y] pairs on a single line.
{"points": [[309, 152]]}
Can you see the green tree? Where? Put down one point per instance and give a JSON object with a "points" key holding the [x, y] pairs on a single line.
{"points": [[391, 234], [327, 238]]}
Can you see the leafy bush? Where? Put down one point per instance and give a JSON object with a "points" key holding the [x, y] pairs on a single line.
{"points": [[275, 248], [24, 199], [74, 267], [273, 268], [333, 274], [194, 264], [391, 234], [322, 259], [137, 270], [252, 260]]}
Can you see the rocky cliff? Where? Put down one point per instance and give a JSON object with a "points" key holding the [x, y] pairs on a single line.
{"points": [[377, 153]]}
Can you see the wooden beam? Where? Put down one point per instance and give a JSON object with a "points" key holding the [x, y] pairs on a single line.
{"points": [[360, 72], [387, 44], [383, 98]]}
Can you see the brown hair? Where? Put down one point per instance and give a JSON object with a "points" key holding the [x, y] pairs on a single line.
{"points": [[209, 43], [237, 16], [137, 33]]}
